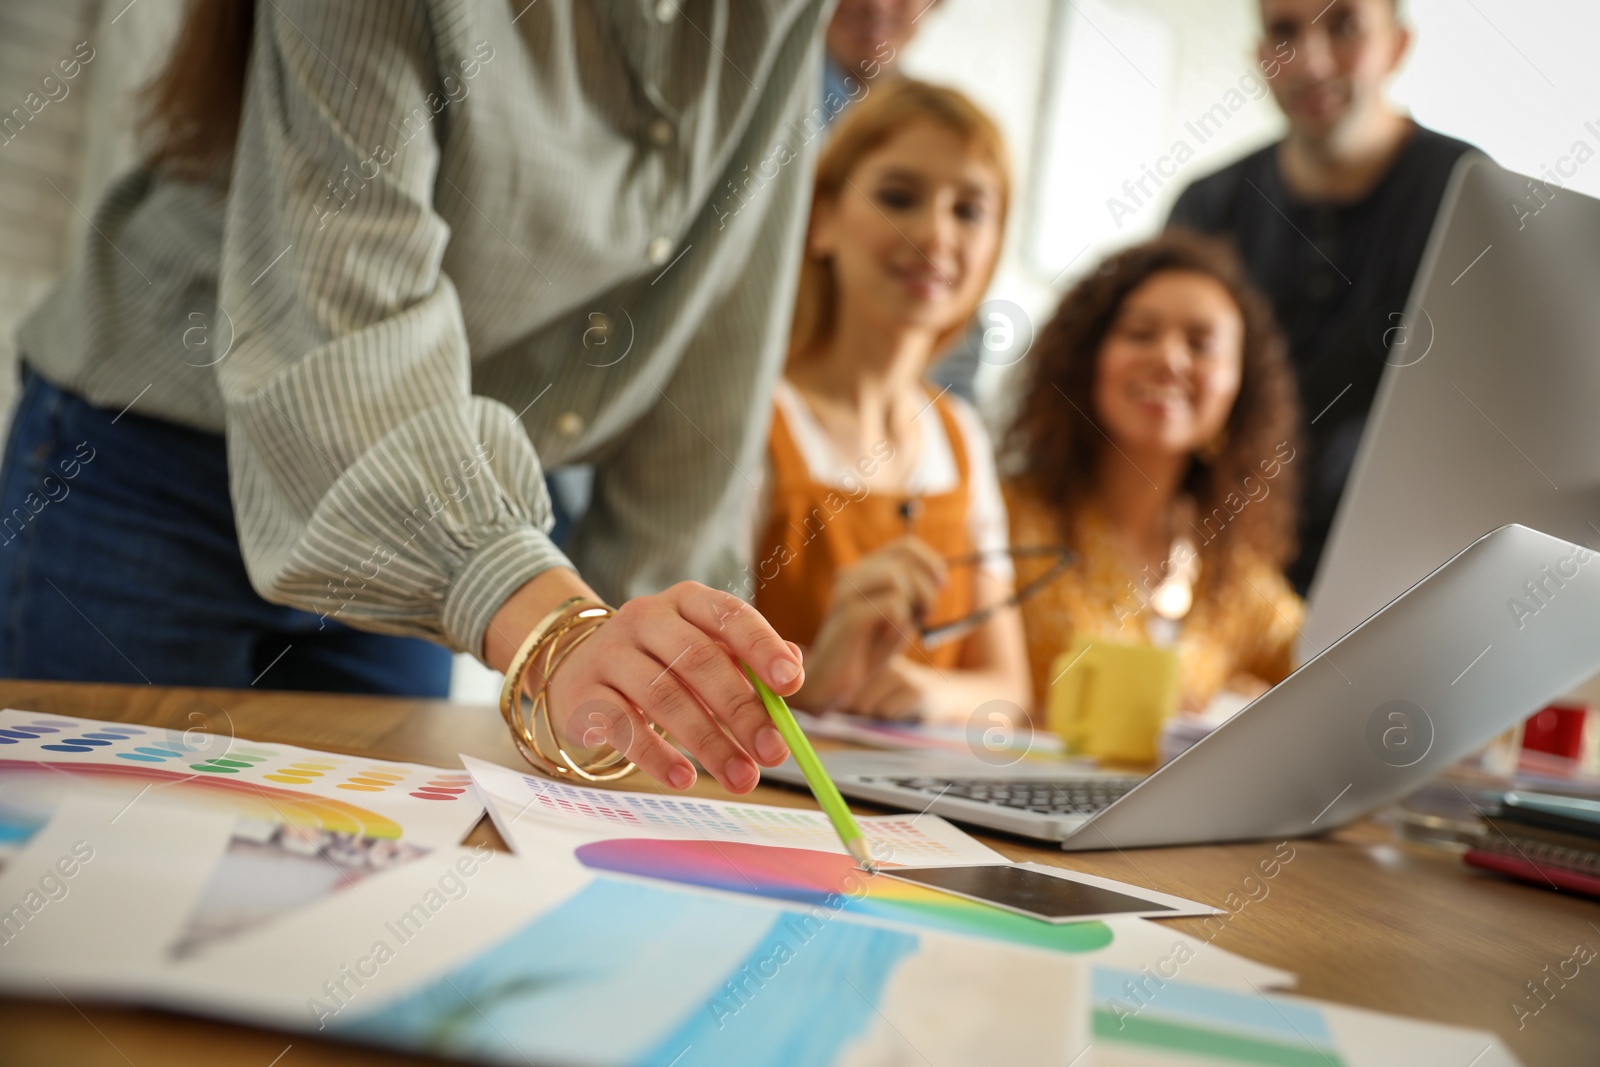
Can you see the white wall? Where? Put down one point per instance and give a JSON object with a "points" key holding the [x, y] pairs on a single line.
{"points": [[1518, 78]]}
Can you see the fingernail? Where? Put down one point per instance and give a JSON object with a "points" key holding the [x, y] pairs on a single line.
{"points": [[770, 746], [785, 671], [741, 773], [680, 777]]}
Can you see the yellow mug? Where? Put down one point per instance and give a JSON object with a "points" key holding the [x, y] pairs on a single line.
{"points": [[1109, 699]]}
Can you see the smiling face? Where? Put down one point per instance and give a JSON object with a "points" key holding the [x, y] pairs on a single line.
{"points": [[913, 233], [1168, 369], [1343, 55]]}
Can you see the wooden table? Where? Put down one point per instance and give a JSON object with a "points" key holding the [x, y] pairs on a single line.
{"points": [[1362, 918]]}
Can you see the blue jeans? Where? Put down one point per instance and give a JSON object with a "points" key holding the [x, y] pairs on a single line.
{"points": [[119, 562]]}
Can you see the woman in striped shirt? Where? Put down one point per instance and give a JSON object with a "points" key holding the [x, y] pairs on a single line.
{"points": [[285, 422]]}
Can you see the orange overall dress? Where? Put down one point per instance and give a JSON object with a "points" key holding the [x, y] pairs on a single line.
{"points": [[814, 530]]}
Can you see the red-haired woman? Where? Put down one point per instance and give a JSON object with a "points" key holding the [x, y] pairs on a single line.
{"points": [[875, 483]]}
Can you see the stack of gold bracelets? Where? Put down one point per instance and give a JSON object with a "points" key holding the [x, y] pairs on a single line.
{"points": [[544, 645]]}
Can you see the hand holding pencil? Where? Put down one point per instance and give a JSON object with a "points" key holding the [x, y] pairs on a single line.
{"points": [[670, 660]]}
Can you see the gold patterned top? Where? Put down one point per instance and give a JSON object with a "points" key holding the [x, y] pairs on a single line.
{"points": [[1247, 626]]}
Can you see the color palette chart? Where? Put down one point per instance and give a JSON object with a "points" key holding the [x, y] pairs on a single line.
{"points": [[787, 855], [903, 839], [278, 783], [828, 883]]}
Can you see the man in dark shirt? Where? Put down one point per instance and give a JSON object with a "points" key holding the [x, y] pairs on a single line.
{"points": [[1331, 222]]}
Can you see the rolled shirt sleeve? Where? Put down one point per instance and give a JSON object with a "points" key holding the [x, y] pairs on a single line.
{"points": [[369, 484]]}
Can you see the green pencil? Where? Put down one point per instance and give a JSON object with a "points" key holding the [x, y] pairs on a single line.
{"points": [[822, 786]]}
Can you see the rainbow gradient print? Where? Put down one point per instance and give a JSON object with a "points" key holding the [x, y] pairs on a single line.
{"points": [[248, 799], [263, 781], [807, 877]]}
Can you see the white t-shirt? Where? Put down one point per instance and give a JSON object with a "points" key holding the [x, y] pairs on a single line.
{"points": [[935, 470]]}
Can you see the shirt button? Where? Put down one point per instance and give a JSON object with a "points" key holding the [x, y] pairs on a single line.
{"points": [[666, 11], [658, 250], [569, 424], [660, 132]]}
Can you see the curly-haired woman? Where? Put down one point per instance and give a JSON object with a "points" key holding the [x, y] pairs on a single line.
{"points": [[1156, 436]]}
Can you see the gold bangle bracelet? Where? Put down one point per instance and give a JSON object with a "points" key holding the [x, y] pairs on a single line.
{"points": [[605, 768], [511, 690], [544, 648], [601, 769]]}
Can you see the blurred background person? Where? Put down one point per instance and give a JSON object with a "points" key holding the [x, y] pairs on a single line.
{"points": [[1155, 436], [876, 485], [1331, 222], [863, 45]]}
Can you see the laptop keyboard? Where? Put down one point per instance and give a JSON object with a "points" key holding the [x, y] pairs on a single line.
{"points": [[1045, 796]]}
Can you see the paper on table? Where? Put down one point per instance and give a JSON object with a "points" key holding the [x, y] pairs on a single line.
{"points": [[1373, 1039], [518, 802], [257, 780], [97, 896], [1162, 953], [532, 959], [1141, 1022], [254, 875], [681, 841]]}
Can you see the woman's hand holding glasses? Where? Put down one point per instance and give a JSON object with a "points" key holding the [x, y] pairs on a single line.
{"points": [[875, 611]]}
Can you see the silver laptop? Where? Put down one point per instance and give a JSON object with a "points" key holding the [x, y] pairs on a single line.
{"points": [[1489, 397], [1487, 411], [1435, 675]]}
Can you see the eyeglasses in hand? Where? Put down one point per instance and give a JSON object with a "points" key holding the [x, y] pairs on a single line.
{"points": [[935, 634]]}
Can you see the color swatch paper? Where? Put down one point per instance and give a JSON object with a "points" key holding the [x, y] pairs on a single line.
{"points": [[515, 798], [726, 847], [1158, 949], [825, 882], [255, 780], [782, 856]]}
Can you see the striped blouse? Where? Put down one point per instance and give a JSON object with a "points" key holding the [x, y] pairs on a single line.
{"points": [[467, 239]]}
